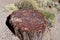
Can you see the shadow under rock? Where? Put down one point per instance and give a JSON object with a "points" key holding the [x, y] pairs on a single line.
{"points": [[9, 25]]}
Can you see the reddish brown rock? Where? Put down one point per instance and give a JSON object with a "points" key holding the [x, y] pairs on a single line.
{"points": [[30, 21]]}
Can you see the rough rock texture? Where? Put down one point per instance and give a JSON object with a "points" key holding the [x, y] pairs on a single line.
{"points": [[6, 34], [28, 24], [28, 20]]}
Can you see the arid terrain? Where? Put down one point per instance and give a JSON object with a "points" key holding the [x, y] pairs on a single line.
{"points": [[6, 34]]}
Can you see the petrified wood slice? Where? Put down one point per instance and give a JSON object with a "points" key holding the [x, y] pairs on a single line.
{"points": [[28, 24]]}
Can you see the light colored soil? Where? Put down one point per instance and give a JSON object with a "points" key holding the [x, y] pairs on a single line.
{"points": [[5, 33]]}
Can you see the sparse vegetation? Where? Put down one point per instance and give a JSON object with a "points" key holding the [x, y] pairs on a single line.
{"points": [[43, 6]]}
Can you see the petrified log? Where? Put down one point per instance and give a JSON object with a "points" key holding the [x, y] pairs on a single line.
{"points": [[28, 24]]}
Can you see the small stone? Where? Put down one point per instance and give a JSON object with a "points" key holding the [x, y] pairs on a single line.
{"points": [[26, 28]]}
